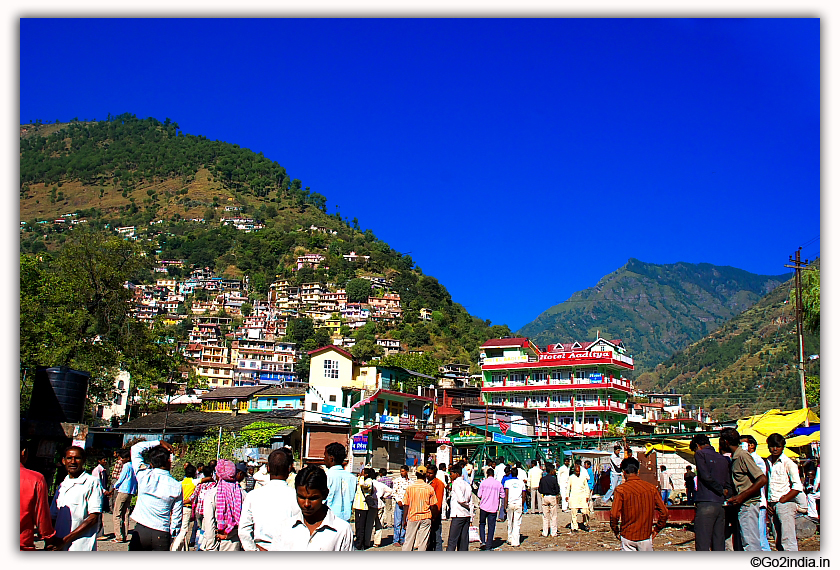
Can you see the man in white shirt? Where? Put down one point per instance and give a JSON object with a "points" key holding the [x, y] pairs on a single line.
{"points": [[514, 498], [783, 487], [535, 473], [500, 470], [264, 510], [383, 492], [401, 483], [460, 506], [77, 506], [563, 481], [316, 527], [159, 508], [615, 472], [261, 477]]}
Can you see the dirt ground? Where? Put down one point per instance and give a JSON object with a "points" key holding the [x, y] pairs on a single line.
{"points": [[600, 538]]}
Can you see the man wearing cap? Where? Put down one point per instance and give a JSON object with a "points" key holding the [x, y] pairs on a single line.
{"points": [[419, 500]]}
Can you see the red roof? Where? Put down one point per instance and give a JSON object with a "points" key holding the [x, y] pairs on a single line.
{"points": [[338, 349], [495, 342]]}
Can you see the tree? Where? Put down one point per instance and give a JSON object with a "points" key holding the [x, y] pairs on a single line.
{"points": [[247, 309], [75, 311], [358, 290], [423, 363], [811, 299], [366, 349], [299, 330]]}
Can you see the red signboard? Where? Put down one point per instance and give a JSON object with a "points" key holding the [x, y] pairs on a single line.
{"points": [[573, 355]]}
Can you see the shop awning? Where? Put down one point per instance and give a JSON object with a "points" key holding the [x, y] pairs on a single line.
{"points": [[680, 447], [775, 421]]}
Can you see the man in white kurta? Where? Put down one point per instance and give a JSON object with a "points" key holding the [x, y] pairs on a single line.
{"points": [[563, 481], [579, 498]]}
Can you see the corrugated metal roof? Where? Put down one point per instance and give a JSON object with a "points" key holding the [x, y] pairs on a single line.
{"points": [[496, 342], [201, 422]]}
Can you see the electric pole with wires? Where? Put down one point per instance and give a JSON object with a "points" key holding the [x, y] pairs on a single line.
{"points": [[798, 265]]}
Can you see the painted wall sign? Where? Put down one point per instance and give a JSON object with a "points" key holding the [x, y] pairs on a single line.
{"points": [[335, 413], [506, 359], [360, 443]]}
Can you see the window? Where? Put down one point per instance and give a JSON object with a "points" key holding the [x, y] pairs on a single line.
{"points": [[330, 369], [314, 406], [332, 398], [99, 411], [118, 399], [539, 377], [120, 385], [395, 408]]}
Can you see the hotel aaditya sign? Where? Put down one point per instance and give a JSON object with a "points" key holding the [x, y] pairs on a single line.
{"points": [[585, 355]]}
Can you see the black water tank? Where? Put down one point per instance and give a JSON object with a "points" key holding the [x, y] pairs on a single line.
{"points": [[59, 393]]}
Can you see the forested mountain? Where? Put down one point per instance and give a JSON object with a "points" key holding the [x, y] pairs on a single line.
{"points": [[174, 188], [655, 309], [749, 364]]}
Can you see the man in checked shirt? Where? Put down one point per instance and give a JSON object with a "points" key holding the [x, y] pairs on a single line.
{"points": [[634, 504]]}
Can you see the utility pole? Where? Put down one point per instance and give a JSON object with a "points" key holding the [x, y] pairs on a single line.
{"points": [[798, 265]]}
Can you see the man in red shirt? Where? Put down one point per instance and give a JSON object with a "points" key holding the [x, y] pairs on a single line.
{"points": [[34, 507], [435, 533]]}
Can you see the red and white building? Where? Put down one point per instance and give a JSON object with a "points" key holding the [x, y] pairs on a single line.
{"points": [[576, 389]]}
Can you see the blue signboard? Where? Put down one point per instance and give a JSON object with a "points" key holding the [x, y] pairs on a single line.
{"points": [[360, 443], [499, 438], [596, 378], [395, 437]]}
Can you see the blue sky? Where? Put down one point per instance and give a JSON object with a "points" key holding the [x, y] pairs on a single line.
{"points": [[517, 160]]}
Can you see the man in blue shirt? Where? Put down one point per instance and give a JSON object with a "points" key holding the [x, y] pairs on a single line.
{"points": [[125, 487], [160, 500], [588, 465], [341, 483]]}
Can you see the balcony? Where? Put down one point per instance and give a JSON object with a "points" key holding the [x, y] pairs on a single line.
{"points": [[622, 384]]}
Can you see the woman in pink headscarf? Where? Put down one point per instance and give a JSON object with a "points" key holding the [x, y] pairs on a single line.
{"points": [[222, 508]]}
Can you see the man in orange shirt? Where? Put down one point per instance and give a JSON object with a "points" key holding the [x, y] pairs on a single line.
{"points": [[34, 507], [435, 532], [419, 501]]}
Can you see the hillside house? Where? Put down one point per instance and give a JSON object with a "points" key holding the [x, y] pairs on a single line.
{"points": [[311, 260]]}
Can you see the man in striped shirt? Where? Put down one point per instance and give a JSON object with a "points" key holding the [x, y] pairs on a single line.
{"points": [[634, 503], [419, 500]]}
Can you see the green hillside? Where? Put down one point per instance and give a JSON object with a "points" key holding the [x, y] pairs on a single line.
{"points": [[745, 367], [655, 309], [175, 187]]}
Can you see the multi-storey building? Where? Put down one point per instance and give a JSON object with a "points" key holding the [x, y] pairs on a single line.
{"points": [[261, 361], [575, 388]]}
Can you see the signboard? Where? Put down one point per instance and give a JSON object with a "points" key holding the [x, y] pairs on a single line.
{"points": [[79, 443], [596, 378], [360, 443], [506, 360], [499, 438], [575, 356], [467, 439], [335, 413], [395, 437], [389, 422]]}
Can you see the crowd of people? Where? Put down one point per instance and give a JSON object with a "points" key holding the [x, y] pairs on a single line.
{"points": [[231, 506]]}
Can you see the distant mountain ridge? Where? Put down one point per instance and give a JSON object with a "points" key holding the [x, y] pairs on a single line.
{"points": [[656, 309], [745, 367]]}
